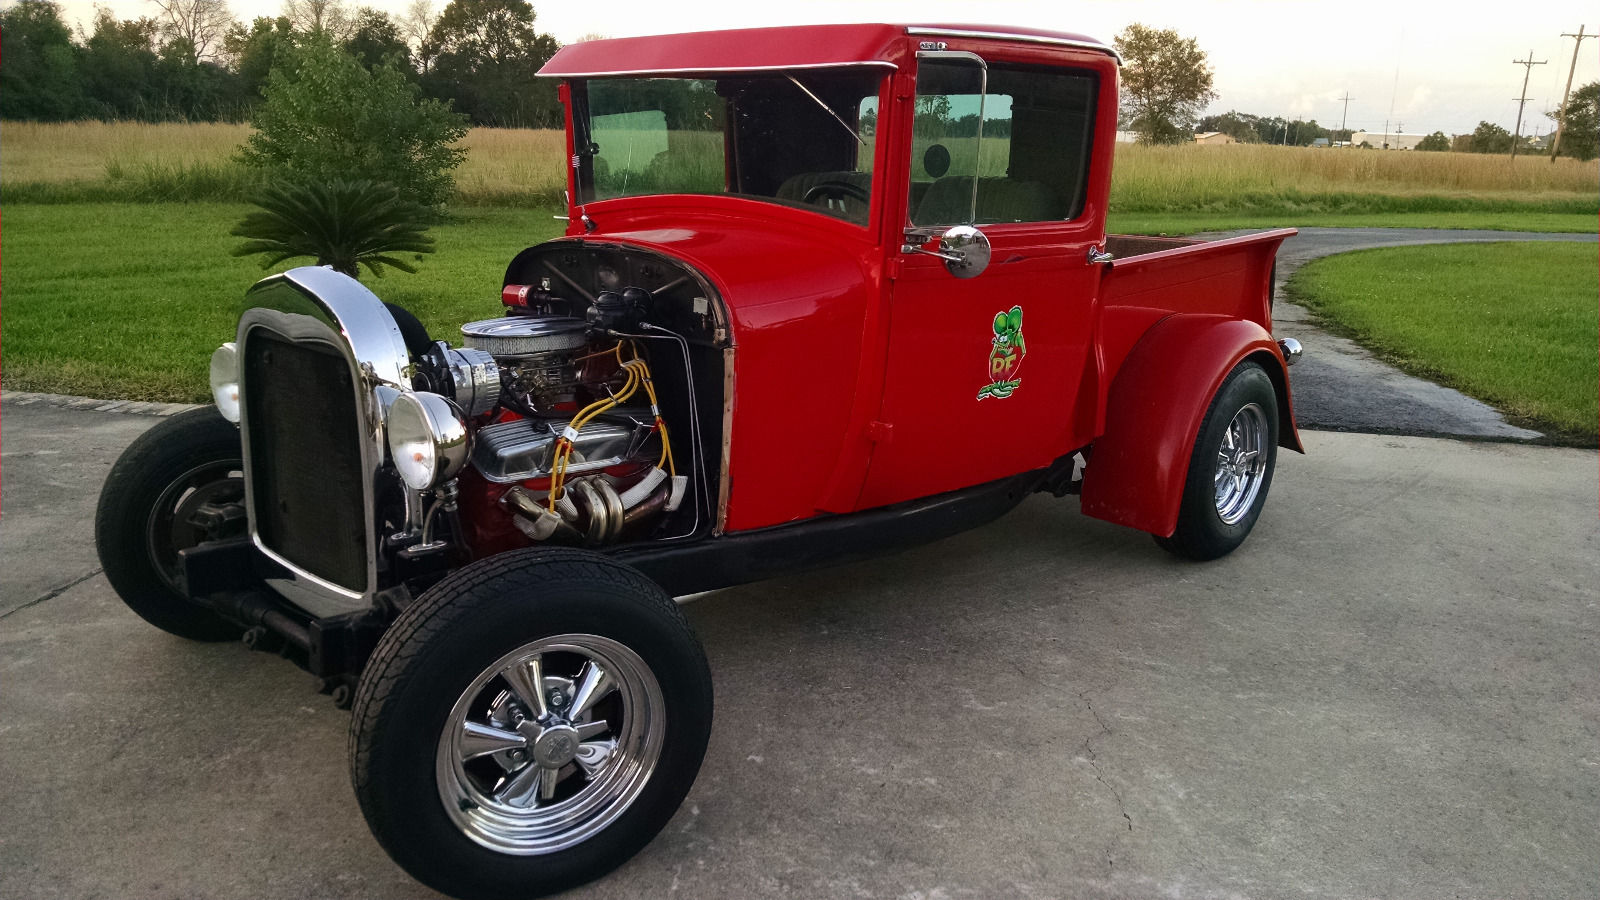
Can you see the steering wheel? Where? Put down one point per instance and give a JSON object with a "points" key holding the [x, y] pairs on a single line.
{"points": [[841, 190]]}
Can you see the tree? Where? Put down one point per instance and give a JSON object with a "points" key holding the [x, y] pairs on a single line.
{"points": [[374, 37], [1580, 137], [416, 25], [483, 54], [195, 28], [329, 17], [1237, 125], [120, 68], [1165, 83], [254, 51], [343, 224], [1435, 142], [1490, 138], [325, 118], [39, 79]]}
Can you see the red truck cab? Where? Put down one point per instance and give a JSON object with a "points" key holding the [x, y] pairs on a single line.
{"points": [[817, 227], [825, 292]]}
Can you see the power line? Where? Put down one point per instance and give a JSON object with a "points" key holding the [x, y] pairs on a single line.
{"points": [[1527, 70], [1561, 121]]}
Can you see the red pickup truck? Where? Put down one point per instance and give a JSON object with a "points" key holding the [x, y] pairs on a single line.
{"points": [[825, 292]]}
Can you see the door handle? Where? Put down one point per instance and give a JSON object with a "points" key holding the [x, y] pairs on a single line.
{"points": [[1098, 256]]}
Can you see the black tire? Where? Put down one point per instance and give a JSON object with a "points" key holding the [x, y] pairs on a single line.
{"points": [[440, 649], [141, 521], [1203, 532]]}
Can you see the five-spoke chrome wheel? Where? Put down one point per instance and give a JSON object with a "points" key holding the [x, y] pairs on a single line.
{"points": [[550, 744], [1241, 463], [1230, 469]]}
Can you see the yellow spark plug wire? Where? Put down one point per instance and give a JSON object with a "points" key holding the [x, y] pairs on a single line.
{"points": [[563, 454]]}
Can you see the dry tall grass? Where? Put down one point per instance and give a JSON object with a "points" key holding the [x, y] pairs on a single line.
{"points": [[506, 166]]}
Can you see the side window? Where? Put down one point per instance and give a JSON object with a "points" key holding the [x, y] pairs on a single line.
{"points": [[1032, 162]]}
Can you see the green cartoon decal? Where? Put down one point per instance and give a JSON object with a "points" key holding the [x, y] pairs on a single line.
{"points": [[1005, 355]]}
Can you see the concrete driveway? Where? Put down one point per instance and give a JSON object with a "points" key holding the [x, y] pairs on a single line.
{"points": [[1389, 691]]}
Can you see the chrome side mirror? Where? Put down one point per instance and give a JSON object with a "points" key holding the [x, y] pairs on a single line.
{"points": [[964, 249]]}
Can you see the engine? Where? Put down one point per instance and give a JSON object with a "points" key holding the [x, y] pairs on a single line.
{"points": [[568, 428]]}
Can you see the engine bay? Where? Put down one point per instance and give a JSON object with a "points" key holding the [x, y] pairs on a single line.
{"points": [[590, 402]]}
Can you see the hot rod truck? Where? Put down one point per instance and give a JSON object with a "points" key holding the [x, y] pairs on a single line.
{"points": [[824, 292]]}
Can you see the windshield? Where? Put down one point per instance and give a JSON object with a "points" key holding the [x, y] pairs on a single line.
{"points": [[802, 139]]}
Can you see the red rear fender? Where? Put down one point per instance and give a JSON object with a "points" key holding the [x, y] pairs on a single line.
{"points": [[1137, 468]]}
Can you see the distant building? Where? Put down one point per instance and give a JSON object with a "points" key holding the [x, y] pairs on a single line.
{"points": [[1127, 137], [1390, 141], [1213, 137], [1320, 142]]}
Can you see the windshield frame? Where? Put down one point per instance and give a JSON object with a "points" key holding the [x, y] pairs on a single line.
{"points": [[580, 124]]}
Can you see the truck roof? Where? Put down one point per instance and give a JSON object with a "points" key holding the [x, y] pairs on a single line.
{"points": [[789, 47]]}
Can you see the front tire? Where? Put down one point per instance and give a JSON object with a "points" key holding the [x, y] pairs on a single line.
{"points": [[529, 724], [1230, 469], [147, 513]]}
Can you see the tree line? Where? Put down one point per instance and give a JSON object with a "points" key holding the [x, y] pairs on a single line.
{"points": [[191, 60], [1167, 84]]}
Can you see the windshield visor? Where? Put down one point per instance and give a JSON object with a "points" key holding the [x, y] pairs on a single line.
{"points": [[804, 138]]}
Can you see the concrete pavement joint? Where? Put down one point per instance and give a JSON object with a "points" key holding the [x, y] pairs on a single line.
{"points": [[53, 593]]}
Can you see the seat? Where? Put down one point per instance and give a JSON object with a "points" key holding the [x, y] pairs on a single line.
{"points": [[948, 200]]}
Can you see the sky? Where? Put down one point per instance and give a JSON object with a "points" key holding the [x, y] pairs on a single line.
{"points": [[1421, 64]]}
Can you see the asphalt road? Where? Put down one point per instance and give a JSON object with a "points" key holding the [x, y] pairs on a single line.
{"points": [[1390, 691], [1339, 385]]}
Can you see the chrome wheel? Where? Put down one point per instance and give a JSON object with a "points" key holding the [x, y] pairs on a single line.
{"points": [[550, 744], [1241, 463]]}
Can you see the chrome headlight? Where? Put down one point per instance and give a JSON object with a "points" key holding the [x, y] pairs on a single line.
{"points": [[427, 439], [225, 381]]}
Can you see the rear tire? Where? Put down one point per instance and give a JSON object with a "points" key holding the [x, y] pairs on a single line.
{"points": [[1230, 469], [480, 789], [142, 521]]}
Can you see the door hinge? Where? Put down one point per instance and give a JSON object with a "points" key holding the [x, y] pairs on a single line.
{"points": [[880, 432], [892, 271]]}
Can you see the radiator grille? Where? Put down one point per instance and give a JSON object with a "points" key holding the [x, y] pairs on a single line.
{"points": [[306, 475]]}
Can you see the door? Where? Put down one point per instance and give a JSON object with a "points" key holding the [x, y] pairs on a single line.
{"points": [[983, 372]]}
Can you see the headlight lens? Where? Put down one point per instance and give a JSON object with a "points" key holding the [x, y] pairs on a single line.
{"points": [[427, 439], [225, 381]]}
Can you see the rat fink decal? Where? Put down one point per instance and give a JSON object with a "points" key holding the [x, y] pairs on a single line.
{"points": [[1005, 355]]}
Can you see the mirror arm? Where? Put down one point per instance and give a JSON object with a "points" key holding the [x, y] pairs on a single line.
{"points": [[947, 257]]}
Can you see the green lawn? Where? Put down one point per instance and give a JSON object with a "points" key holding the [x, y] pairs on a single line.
{"points": [[1176, 223], [1513, 324], [128, 301]]}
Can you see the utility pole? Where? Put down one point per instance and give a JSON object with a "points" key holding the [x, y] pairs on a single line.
{"points": [[1561, 121], [1527, 70], [1345, 115]]}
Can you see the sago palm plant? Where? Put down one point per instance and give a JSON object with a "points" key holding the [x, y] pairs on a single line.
{"points": [[342, 224]]}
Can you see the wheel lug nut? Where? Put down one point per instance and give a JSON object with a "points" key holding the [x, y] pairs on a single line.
{"points": [[557, 698]]}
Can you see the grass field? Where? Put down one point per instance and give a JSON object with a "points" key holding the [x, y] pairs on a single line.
{"points": [[113, 290], [129, 300], [1252, 184], [1512, 324]]}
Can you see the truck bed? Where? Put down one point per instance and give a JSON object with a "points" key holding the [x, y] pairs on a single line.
{"points": [[1150, 278]]}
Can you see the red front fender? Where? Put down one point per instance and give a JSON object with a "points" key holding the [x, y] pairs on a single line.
{"points": [[1137, 468]]}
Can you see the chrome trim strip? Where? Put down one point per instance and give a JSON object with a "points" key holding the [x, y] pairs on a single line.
{"points": [[1024, 38], [715, 69]]}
